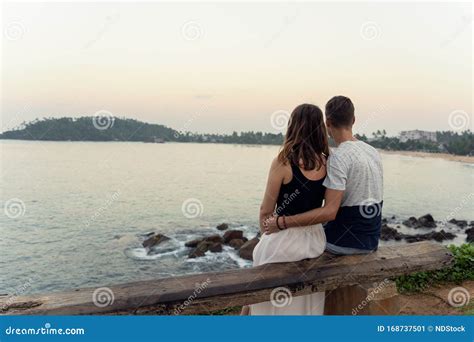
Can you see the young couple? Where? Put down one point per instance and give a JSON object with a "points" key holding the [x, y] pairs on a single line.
{"points": [[309, 185]]}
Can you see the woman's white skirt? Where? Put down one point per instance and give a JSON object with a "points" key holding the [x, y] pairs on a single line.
{"points": [[288, 245]]}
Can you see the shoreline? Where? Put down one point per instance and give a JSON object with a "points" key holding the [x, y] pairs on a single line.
{"points": [[445, 156]]}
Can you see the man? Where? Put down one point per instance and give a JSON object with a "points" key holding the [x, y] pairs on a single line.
{"points": [[354, 194]]}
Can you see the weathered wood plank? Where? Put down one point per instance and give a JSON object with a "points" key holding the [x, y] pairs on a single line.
{"points": [[202, 293]]}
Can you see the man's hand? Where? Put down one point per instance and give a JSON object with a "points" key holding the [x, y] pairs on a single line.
{"points": [[270, 225]]}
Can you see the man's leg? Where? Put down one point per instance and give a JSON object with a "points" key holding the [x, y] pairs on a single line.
{"points": [[339, 250]]}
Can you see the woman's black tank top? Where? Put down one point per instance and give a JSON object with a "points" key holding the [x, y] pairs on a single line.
{"points": [[300, 194]]}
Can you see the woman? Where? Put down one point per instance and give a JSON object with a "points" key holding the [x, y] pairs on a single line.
{"points": [[295, 185]]}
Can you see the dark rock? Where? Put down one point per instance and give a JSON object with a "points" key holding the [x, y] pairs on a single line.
{"points": [[193, 243], [214, 238], [442, 235], [222, 226], [459, 223], [393, 217], [236, 243], [384, 220], [389, 233], [427, 221], [246, 251], [200, 249], [470, 234], [154, 240], [437, 236], [195, 253], [233, 234], [216, 247], [411, 222], [211, 238]]}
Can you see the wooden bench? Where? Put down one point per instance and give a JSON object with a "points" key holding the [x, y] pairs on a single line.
{"points": [[203, 293]]}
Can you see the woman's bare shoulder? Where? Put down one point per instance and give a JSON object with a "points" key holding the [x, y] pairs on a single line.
{"points": [[281, 169], [278, 164]]}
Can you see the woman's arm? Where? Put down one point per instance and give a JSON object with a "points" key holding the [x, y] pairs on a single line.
{"points": [[275, 179], [332, 202]]}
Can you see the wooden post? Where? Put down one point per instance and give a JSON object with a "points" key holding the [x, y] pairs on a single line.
{"points": [[379, 298]]}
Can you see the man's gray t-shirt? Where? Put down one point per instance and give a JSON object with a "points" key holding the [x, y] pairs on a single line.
{"points": [[356, 168]]}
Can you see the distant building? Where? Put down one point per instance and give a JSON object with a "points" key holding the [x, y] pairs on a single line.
{"points": [[417, 135]]}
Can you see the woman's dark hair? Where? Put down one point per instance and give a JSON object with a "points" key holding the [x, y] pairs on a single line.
{"points": [[306, 139]]}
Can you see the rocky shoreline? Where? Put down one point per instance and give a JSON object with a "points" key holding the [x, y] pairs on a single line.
{"points": [[425, 222], [224, 236], [213, 243]]}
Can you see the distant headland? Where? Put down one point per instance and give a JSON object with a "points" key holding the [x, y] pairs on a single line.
{"points": [[124, 129]]}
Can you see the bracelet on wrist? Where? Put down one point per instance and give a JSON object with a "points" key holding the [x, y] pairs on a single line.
{"points": [[278, 225], [284, 223]]}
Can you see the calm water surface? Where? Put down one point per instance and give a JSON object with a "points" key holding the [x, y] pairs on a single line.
{"points": [[87, 206]]}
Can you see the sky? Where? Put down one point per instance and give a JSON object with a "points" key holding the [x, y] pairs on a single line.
{"points": [[220, 67]]}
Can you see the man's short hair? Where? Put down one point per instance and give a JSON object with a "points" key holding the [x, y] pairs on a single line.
{"points": [[340, 111]]}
